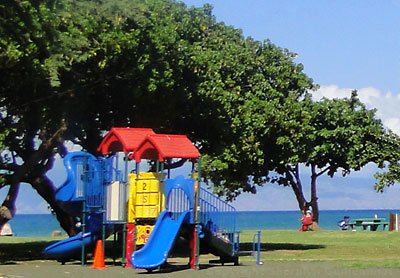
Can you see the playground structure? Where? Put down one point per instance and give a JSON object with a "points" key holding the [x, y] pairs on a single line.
{"points": [[151, 210]]}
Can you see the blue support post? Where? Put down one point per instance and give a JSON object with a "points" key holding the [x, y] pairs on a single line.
{"points": [[258, 235], [83, 220]]}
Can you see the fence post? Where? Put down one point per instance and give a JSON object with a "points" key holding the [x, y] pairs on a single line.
{"points": [[258, 235]]}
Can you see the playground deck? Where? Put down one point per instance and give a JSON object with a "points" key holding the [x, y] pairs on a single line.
{"points": [[158, 207]]}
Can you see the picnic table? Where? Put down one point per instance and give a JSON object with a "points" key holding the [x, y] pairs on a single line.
{"points": [[368, 224]]}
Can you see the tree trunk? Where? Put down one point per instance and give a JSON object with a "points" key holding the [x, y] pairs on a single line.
{"points": [[314, 198], [295, 182], [33, 171], [301, 200], [297, 187], [46, 190], [7, 209]]}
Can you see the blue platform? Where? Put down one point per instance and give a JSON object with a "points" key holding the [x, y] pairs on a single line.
{"points": [[84, 181], [84, 185]]}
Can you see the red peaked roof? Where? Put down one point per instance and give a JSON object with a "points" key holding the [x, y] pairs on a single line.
{"points": [[123, 139], [165, 146]]}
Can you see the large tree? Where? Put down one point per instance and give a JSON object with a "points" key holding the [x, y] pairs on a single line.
{"points": [[339, 135], [71, 70], [31, 130]]}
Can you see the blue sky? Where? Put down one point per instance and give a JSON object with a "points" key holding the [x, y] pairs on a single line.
{"points": [[343, 45], [349, 43]]}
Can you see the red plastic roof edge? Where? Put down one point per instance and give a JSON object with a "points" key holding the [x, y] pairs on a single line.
{"points": [[165, 146], [123, 139]]}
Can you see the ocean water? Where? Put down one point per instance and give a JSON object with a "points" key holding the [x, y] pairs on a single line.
{"points": [[37, 225], [34, 225], [288, 220]]}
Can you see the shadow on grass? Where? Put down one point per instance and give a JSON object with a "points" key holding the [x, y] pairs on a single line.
{"points": [[10, 253], [246, 248]]}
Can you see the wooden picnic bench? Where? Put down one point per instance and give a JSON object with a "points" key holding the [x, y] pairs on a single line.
{"points": [[368, 224]]}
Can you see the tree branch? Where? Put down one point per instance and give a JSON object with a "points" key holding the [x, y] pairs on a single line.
{"points": [[322, 171], [296, 174], [21, 173], [9, 166], [175, 164], [296, 186]]}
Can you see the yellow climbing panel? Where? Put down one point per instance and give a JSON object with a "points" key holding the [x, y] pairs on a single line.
{"points": [[146, 196]]}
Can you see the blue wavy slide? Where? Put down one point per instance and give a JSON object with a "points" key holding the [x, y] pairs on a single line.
{"points": [[71, 200], [70, 247], [161, 240]]}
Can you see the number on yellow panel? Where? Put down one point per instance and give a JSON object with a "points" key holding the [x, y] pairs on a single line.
{"points": [[144, 199], [144, 186]]}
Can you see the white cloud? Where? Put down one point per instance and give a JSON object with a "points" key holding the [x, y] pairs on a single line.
{"points": [[387, 104], [71, 147], [331, 92], [358, 194], [369, 95], [268, 198], [393, 124]]}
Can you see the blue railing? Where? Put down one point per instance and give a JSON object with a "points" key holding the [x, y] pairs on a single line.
{"points": [[217, 216], [111, 170], [178, 202], [179, 196]]}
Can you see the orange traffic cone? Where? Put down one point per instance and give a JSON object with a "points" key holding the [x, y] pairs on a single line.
{"points": [[98, 261]]}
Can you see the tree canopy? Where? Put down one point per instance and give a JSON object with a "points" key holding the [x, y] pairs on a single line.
{"points": [[340, 135], [71, 70]]}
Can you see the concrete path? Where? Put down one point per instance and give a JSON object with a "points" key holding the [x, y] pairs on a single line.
{"points": [[44, 269]]}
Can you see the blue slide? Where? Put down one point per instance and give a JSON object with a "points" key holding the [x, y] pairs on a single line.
{"points": [[70, 247], [161, 240]]}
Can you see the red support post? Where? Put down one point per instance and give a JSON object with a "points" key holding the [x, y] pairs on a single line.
{"points": [[130, 244], [193, 249]]}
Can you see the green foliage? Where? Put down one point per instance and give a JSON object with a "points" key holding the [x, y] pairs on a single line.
{"points": [[329, 136], [92, 65], [344, 134]]}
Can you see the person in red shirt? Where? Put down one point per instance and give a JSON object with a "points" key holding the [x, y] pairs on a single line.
{"points": [[306, 220]]}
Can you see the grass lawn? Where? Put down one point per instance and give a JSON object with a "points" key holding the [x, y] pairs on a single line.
{"points": [[344, 248]]}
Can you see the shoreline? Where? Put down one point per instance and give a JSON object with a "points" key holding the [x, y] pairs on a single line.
{"points": [[42, 225]]}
